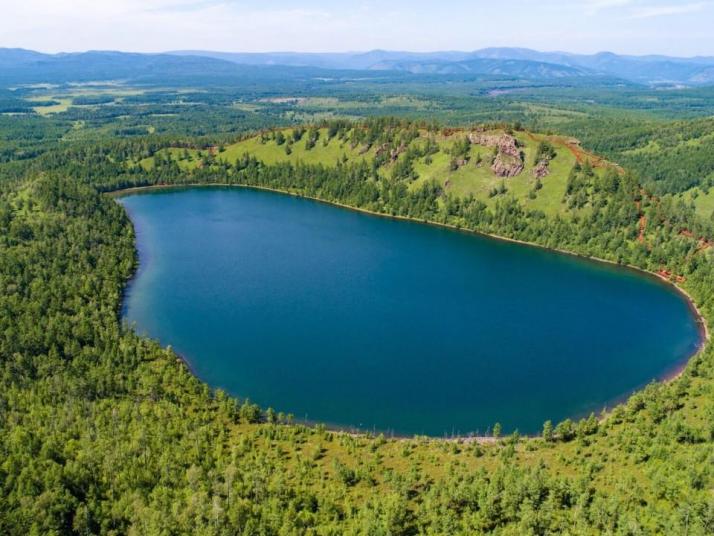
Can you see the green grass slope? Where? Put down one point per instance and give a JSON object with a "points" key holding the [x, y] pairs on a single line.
{"points": [[472, 176]]}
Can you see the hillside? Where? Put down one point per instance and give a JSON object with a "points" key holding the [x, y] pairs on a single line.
{"points": [[669, 157], [460, 162]]}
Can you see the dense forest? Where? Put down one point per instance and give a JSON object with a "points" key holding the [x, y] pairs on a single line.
{"points": [[103, 432]]}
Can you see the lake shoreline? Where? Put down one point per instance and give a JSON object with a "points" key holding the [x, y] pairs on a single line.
{"points": [[668, 376]]}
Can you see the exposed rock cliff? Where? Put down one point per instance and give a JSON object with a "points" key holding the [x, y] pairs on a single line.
{"points": [[507, 166], [509, 160]]}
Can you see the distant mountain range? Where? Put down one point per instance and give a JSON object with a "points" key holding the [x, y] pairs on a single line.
{"points": [[24, 67], [19, 66], [523, 62]]}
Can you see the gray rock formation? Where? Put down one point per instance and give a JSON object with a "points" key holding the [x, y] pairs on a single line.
{"points": [[509, 160], [541, 169]]}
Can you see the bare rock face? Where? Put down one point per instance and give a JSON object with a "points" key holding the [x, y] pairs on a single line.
{"points": [[505, 143], [508, 161], [541, 169], [507, 166], [394, 154], [487, 140]]}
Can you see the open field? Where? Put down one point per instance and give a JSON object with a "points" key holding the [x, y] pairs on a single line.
{"points": [[62, 105]]}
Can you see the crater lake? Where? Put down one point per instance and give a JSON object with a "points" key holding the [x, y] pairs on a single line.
{"points": [[366, 322]]}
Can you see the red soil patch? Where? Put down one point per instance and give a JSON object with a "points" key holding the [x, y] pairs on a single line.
{"points": [[576, 153], [642, 223], [702, 243], [669, 275], [580, 154], [643, 226]]}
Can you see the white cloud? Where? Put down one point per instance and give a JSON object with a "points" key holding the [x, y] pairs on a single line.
{"points": [[643, 9], [592, 7], [158, 25], [646, 12]]}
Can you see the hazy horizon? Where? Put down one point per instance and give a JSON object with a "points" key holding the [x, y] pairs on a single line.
{"points": [[348, 52], [630, 27]]}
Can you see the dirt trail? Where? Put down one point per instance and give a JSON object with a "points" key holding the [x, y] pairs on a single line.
{"points": [[573, 145], [642, 223]]}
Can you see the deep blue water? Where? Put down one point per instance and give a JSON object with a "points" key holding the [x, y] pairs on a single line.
{"points": [[355, 320]]}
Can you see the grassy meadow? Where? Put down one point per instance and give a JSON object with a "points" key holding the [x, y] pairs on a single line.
{"points": [[472, 178]]}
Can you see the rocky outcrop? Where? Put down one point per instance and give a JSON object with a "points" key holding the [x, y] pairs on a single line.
{"points": [[506, 165], [541, 169], [509, 160], [505, 143], [393, 153]]}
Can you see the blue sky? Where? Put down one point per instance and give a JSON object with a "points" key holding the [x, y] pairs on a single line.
{"points": [[672, 27]]}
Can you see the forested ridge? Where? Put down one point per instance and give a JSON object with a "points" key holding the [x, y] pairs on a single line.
{"points": [[103, 432], [670, 157]]}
